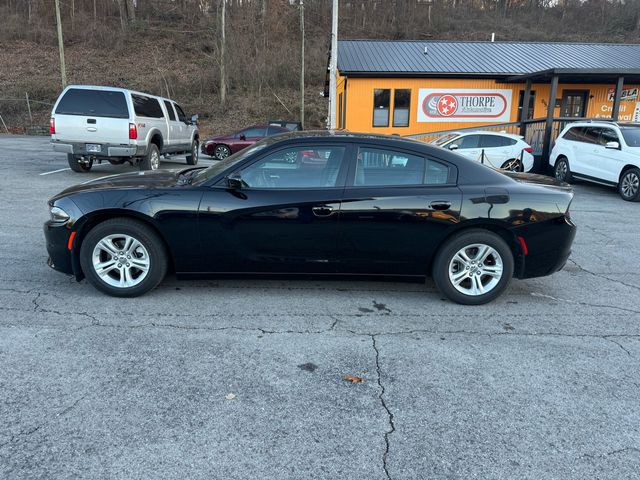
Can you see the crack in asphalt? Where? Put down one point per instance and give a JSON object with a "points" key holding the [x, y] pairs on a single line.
{"points": [[584, 304], [604, 277], [612, 452], [16, 437], [390, 418]]}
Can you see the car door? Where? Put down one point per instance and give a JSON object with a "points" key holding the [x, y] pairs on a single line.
{"points": [[183, 141], [248, 136], [467, 145], [497, 149], [284, 217], [174, 125], [397, 207], [607, 162]]}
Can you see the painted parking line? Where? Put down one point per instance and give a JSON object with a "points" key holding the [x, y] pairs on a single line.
{"points": [[55, 171]]}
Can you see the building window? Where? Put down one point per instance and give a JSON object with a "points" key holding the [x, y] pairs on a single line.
{"points": [[381, 99], [340, 123], [401, 105], [532, 103]]}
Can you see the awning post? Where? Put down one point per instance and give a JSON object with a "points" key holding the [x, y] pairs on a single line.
{"points": [[548, 128], [524, 114], [616, 99]]}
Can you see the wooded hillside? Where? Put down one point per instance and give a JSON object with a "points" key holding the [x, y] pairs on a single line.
{"points": [[173, 47]]}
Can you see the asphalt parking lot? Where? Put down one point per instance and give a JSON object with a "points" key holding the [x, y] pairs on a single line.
{"points": [[242, 379]]}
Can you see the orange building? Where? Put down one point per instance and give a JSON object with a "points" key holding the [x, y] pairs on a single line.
{"points": [[422, 88]]}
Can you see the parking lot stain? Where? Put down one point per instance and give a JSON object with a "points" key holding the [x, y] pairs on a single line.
{"points": [[365, 310], [308, 367], [508, 327], [381, 307]]}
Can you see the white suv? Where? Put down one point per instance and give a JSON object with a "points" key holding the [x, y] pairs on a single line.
{"points": [[91, 123], [602, 152], [496, 149]]}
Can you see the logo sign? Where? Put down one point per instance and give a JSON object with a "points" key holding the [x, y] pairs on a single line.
{"points": [[626, 94], [464, 105]]}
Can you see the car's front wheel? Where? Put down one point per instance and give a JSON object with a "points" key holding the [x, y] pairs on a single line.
{"points": [[221, 152], [123, 257], [473, 267], [629, 185]]}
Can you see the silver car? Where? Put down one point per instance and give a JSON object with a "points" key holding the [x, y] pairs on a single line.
{"points": [[95, 124]]}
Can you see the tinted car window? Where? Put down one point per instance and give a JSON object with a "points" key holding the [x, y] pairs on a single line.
{"points": [[296, 167], [376, 167], [181, 115], [591, 135], [608, 135], [574, 134], [93, 103], [167, 104], [253, 132], [494, 141], [276, 130], [147, 106], [631, 136], [468, 141], [581, 134]]}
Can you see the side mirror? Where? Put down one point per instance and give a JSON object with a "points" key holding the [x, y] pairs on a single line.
{"points": [[234, 181], [612, 145], [243, 136], [194, 119], [453, 146]]}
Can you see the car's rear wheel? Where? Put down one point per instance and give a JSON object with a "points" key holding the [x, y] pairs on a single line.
{"points": [[192, 158], [123, 257], [513, 165], [221, 152], [473, 267], [151, 161], [77, 166], [629, 185], [561, 171]]}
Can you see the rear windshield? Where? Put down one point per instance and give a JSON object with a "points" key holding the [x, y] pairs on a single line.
{"points": [[631, 136], [93, 103]]}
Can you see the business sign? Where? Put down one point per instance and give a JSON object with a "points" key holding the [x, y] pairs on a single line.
{"points": [[464, 105], [626, 94]]}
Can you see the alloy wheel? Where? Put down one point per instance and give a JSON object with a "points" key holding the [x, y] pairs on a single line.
{"points": [[630, 184], [561, 170], [121, 261], [154, 160], [221, 152], [475, 269]]}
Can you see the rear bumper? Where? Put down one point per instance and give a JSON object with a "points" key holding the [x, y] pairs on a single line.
{"points": [[107, 150], [549, 247]]}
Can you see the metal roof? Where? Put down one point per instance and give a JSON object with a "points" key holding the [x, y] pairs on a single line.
{"points": [[491, 59]]}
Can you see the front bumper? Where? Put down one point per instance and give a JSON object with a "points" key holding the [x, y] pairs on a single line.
{"points": [[108, 150], [57, 241]]}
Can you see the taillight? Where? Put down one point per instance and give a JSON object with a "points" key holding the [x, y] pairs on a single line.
{"points": [[133, 131], [52, 126], [528, 150], [308, 153]]}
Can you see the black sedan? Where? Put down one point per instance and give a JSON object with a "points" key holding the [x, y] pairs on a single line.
{"points": [[316, 203]]}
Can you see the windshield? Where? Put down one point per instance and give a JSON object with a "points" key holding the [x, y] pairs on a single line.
{"points": [[230, 161], [445, 138], [631, 136]]}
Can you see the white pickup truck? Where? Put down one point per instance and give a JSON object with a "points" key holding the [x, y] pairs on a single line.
{"points": [[95, 124]]}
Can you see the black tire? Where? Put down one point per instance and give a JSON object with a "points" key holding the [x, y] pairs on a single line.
{"points": [[562, 171], [513, 165], [192, 159], [151, 161], [221, 152], [444, 261], [77, 166], [629, 185], [153, 252]]}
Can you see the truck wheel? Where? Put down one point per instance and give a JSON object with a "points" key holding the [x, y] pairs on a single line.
{"points": [[78, 166], [192, 159], [151, 161]]}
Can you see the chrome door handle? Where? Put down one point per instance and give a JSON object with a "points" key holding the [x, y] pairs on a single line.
{"points": [[440, 205], [322, 210]]}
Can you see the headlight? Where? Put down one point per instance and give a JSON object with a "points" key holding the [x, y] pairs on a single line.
{"points": [[58, 215]]}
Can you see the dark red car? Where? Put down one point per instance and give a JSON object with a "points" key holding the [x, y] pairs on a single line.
{"points": [[222, 146]]}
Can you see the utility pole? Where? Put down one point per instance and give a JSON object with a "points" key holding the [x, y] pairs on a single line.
{"points": [[333, 66], [223, 81], [63, 69], [302, 63]]}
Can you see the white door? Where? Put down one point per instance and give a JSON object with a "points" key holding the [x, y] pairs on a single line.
{"points": [[497, 149], [607, 162], [467, 145]]}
